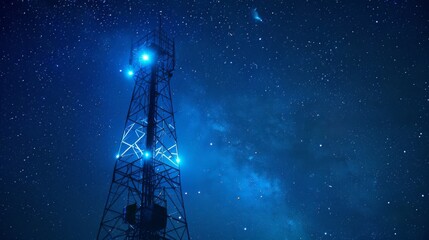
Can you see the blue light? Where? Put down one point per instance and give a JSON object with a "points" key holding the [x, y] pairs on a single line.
{"points": [[117, 156], [256, 16], [145, 57], [177, 160], [146, 154], [130, 73]]}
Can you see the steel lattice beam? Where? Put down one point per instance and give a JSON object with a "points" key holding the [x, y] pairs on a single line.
{"points": [[147, 170]]}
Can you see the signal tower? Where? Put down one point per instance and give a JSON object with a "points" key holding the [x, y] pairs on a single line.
{"points": [[145, 198]]}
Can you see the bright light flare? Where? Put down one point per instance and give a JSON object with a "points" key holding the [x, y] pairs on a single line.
{"points": [[130, 73], [145, 57], [146, 154]]}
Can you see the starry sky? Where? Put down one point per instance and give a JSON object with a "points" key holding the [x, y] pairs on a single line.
{"points": [[295, 119]]}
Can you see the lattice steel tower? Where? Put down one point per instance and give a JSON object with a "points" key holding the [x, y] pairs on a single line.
{"points": [[145, 198]]}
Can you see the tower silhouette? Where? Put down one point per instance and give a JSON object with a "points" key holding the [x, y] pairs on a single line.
{"points": [[145, 198]]}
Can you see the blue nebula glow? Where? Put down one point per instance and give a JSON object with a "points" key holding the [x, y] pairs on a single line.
{"points": [[255, 15], [146, 154], [117, 155], [130, 73], [177, 160]]}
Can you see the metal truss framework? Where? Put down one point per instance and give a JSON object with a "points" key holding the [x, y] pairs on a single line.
{"points": [[147, 175]]}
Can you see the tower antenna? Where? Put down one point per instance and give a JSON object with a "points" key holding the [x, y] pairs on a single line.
{"points": [[145, 200]]}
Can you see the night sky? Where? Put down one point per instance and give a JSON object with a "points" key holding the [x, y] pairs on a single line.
{"points": [[295, 119]]}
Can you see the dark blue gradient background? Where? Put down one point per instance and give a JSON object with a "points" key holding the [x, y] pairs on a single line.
{"points": [[312, 124]]}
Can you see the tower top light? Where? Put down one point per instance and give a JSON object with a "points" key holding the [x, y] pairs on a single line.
{"points": [[145, 57]]}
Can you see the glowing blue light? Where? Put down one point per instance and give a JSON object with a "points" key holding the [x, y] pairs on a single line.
{"points": [[146, 154], [145, 57], [177, 160], [130, 73], [117, 155], [256, 16]]}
